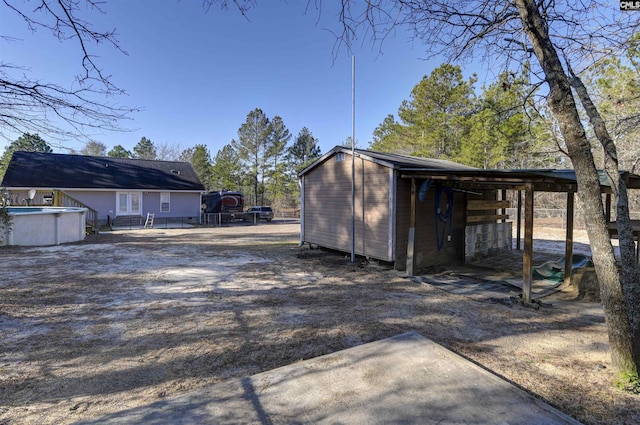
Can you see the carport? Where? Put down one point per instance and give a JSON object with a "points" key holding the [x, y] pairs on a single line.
{"points": [[525, 182]]}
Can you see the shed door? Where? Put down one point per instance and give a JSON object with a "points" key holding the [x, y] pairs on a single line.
{"points": [[129, 203]]}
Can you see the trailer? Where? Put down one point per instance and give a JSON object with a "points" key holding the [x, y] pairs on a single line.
{"points": [[227, 204]]}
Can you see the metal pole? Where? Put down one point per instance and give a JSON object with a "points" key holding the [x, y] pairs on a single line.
{"points": [[353, 159]]}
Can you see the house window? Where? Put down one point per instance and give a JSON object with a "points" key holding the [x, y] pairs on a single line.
{"points": [[165, 202], [340, 156]]}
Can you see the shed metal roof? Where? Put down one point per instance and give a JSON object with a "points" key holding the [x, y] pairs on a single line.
{"points": [[391, 160], [549, 180]]}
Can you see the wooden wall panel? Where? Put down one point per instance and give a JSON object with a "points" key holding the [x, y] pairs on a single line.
{"points": [[327, 208]]}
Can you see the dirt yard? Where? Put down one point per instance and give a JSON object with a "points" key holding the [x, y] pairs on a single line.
{"points": [[129, 318]]}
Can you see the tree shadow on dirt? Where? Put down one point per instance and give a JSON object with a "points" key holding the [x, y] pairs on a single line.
{"points": [[157, 322]]}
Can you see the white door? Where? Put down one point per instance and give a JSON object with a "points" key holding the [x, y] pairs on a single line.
{"points": [[129, 203]]}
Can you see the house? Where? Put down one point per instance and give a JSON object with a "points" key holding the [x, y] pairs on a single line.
{"points": [[393, 212], [116, 188]]}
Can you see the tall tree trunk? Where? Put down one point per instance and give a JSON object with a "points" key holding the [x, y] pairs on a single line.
{"points": [[629, 262], [564, 108]]}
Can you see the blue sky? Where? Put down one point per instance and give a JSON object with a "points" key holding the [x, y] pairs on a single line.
{"points": [[197, 75]]}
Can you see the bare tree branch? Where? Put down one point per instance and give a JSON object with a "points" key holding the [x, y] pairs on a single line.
{"points": [[31, 105], [243, 6], [584, 30]]}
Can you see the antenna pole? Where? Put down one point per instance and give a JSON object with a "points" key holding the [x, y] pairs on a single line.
{"points": [[353, 159]]}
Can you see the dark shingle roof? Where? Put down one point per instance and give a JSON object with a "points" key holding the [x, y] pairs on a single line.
{"points": [[50, 170]]}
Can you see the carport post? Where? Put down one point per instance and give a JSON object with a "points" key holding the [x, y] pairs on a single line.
{"points": [[527, 262], [568, 249], [519, 221], [411, 242]]}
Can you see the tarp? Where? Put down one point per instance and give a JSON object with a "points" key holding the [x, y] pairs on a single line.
{"points": [[554, 270]]}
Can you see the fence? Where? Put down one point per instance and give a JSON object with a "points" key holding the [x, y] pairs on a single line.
{"points": [[287, 212], [226, 219], [137, 222], [220, 219], [549, 217], [557, 217]]}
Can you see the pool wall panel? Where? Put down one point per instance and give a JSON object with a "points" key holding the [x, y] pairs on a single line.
{"points": [[48, 227]]}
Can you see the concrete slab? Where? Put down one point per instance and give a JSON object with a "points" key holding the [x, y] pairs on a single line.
{"points": [[406, 379]]}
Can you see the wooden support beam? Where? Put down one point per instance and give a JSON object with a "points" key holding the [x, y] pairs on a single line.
{"points": [[465, 215], [568, 249], [411, 242], [607, 210], [504, 208], [527, 262], [519, 221], [482, 204], [486, 218]]}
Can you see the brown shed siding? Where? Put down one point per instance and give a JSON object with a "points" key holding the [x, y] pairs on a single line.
{"points": [[403, 214], [327, 207], [375, 191]]}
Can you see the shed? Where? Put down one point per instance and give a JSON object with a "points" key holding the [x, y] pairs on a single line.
{"points": [[383, 208], [418, 212]]}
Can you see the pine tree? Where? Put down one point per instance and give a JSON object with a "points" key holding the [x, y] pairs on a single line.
{"points": [[304, 150], [27, 143], [251, 148], [200, 159], [279, 136], [119, 151], [145, 149], [438, 112], [226, 170]]}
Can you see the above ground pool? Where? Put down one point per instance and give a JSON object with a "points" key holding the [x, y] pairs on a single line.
{"points": [[37, 226]]}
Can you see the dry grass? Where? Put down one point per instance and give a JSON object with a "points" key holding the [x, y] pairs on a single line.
{"points": [[126, 319]]}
